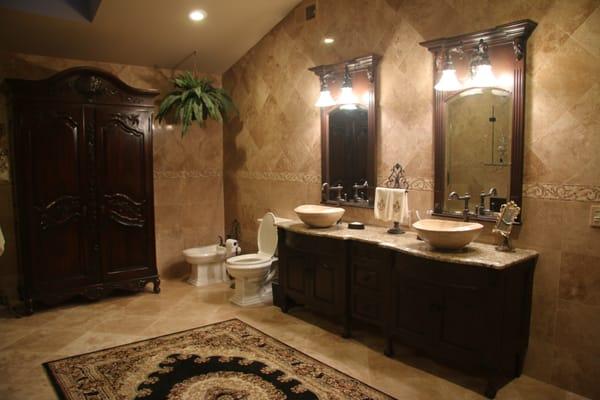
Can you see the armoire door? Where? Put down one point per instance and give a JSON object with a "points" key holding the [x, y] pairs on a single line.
{"points": [[51, 153], [125, 191]]}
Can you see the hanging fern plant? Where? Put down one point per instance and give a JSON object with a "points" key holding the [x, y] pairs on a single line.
{"points": [[195, 99]]}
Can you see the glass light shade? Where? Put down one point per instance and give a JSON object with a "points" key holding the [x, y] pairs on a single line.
{"points": [[484, 77], [325, 99], [448, 82], [347, 96]]}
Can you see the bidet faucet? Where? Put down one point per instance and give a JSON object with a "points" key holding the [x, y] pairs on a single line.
{"points": [[465, 198]]}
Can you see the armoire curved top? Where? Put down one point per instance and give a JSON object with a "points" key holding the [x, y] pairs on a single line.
{"points": [[83, 85]]}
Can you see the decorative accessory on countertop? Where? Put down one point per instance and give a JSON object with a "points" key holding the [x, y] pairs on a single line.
{"points": [[391, 201], [225, 360], [508, 214], [356, 225]]}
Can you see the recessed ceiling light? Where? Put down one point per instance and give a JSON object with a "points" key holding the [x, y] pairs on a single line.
{"points": [[197, 15], [328, 40]]}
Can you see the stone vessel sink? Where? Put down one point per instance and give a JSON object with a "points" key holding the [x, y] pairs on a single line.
{"points": [[319, 216], [450, 235]]}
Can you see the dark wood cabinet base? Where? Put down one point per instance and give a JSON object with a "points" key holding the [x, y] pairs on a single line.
{"points": [[472, 317], [92, 292]]}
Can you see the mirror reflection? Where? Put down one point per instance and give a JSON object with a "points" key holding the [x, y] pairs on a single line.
{"points": [[348, 140], [478, 150]]}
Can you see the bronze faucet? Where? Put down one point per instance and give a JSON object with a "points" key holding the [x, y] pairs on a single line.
{"points": [[481, 207], [465, 198]]}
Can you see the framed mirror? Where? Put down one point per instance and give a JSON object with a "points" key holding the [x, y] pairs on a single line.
{"points": [[479, 108], [348, 105]]}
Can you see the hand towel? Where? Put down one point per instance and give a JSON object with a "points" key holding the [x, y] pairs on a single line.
{"points": [[391, 204]]}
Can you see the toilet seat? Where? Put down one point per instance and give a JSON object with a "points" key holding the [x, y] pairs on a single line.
{"points": [[249, 259]]}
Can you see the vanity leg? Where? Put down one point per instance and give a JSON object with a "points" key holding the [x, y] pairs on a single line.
{"points": [[520, 363], [28, 306], [285, 303], [347, 330], [491, 389], [388, 350]]}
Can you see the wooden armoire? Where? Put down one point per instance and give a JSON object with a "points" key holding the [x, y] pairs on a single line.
{"points": [[81, 145]]}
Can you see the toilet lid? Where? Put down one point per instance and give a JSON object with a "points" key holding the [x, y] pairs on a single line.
{"points": [[267, 235]]}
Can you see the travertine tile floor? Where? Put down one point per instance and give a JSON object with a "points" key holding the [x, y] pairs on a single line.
{"points": [[77, 328]]}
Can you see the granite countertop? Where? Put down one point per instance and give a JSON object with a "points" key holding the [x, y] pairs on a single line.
{"points": [[475, 254]]}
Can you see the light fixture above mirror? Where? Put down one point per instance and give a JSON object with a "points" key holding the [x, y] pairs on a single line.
{"points": [[325, 99], [347, 99], [449, 81], [480, 72]]}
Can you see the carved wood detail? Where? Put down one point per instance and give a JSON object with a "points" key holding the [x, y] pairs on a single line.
{"points": [[129, 122], [123, 210], [59, 211]]}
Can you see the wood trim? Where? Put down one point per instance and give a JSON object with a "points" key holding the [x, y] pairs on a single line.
{"points": [[87, 85]]}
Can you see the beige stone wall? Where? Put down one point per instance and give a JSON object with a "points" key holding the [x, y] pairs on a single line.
{"points": [[272, 154], [188, 187]]}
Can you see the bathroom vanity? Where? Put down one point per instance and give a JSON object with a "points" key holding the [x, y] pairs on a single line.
{"points": [[469, 308]]}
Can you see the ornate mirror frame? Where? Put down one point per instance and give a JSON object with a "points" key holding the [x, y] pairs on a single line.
{"points": [[513, 35], [364, 68]]}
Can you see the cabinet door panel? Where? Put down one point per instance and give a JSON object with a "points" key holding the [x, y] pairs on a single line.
{"points": [[51, 155], [296, 274], [416, 309], [463, 322], [324, 282], [124, 154]]}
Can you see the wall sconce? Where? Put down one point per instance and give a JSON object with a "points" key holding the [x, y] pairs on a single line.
{"points": [[481, 67], [325, 99], [448, 82], [347, 98]]}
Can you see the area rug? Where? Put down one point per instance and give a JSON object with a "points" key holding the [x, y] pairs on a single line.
{"points": [[228, 360]]}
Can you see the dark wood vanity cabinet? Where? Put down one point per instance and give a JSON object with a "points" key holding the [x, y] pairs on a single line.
{"points": [[474, 317], [82, 157], [314, 274], [370, 272]]}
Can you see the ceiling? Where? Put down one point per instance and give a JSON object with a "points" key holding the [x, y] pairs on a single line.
{"points": [[140, 32]]}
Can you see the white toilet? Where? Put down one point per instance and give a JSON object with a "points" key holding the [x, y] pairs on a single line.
{"points": [[251, 271]]}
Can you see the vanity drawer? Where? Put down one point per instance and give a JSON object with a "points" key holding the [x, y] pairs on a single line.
{"points": [[445, 273], [365, 276], [314, 244], [367, 306], [369, 251]]}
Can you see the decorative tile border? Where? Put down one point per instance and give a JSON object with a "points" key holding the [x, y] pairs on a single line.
{"points": [[279, 176], [422, 184], [552, 191], [193, 174]]}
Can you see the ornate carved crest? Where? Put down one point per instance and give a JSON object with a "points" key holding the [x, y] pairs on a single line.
{"points": [[124, 210], [59, 211]]}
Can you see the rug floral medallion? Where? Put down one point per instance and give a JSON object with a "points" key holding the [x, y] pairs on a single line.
{"points": [[228, 360]]}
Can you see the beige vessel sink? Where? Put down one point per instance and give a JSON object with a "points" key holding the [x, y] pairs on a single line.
{"points": [[319, 216], [444, 234]]}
